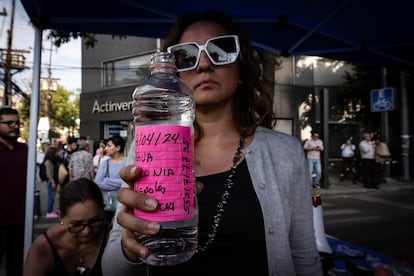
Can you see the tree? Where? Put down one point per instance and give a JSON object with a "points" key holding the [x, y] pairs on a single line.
{"points": [[63, 112], [60, 37], [352, 103]]}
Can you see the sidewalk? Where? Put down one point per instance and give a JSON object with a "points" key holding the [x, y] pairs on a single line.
{"points": [[346, 186]]}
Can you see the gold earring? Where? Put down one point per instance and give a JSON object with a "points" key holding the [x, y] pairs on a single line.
{"points": [[61, 223]]}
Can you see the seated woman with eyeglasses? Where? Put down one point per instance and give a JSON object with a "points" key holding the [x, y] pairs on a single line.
{"points": [[74, 246]]}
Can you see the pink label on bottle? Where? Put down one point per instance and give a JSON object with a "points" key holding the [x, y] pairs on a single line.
{"points": [[164, 154]]}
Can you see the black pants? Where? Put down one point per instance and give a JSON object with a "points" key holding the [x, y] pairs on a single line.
{"points": [[379, 173], [368, 173], [348, 169], [11, 246]]}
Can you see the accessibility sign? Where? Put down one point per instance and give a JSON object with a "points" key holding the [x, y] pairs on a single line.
{"points": [[382, 99]]}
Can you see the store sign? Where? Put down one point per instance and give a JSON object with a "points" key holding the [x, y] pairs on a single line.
{"points": [[109, 106]]}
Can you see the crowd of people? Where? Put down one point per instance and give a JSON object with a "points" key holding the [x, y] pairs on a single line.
{"points": [[64, 249], [266, 227], [373, 155], [364, 162]]}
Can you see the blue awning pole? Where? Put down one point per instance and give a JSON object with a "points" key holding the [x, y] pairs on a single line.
{"points": [[325, 129], [385, 137], [31, 160]]}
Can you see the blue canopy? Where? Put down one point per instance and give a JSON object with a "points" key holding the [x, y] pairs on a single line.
{"points": [[359, 31]]}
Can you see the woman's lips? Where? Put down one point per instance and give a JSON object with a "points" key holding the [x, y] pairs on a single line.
{"points": [[205, 84]]}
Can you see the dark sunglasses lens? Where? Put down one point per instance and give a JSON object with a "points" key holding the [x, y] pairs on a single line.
{"points": [[185, 55], [223, 50]]}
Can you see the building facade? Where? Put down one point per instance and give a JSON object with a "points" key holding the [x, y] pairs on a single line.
{"points": [[115, 66]]}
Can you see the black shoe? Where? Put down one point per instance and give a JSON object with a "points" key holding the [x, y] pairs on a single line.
{"points": [[341, 177]]}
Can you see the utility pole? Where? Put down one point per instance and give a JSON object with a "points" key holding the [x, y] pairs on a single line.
{"points": [[48, 94], [11, 59], [48, 85], [7, 75]]}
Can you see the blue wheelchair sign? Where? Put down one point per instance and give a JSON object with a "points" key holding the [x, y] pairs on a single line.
{"points": [[382, 99]]}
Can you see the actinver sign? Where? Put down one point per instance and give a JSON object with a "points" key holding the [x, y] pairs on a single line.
{"points": [[109, 106]]}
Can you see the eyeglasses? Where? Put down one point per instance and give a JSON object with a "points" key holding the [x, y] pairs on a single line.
{"points": [[220, 50], [77, 228], [11, 123]]}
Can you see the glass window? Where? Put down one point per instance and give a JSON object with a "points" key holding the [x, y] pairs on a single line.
{"points": [[126, 71]]}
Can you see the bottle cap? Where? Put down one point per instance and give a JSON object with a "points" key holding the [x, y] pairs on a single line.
{"points": [[164, 59]]}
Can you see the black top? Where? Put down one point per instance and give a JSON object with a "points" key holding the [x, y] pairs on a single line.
{"points": [[13, 170], [59, 268], [239, 247]]}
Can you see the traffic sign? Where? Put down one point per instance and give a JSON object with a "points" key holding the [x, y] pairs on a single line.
{"points": [[382, 99]]}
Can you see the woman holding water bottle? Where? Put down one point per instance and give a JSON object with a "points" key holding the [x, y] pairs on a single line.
{"points": [[264, 226]]}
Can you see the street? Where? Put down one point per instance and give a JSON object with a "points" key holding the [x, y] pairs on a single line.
{"points": [[382, 222]]}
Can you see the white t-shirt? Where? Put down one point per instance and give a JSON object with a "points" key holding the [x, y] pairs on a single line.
{"points": [[97, 160], [347, 150]]}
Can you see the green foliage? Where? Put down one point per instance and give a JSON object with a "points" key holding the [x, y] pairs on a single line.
{"points": [[63, 111], [353, 101], [64, 108], [61, 37]]}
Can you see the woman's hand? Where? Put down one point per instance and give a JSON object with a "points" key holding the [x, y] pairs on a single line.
{"points": [[131, 224]]}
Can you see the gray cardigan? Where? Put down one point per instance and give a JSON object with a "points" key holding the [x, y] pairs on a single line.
{"points": [[279, 173]]}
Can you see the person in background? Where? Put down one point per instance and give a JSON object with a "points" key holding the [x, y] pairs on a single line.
{"points": [[13, 170], [367, 152], [75, 245], [52, 182], [313, 148], [81, 163], [107, 177], [382, 154], [100, 156], [65, 155], [347, 154], [267, 226], [81, 140]]}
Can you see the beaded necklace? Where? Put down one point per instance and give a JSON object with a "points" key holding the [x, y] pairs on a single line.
{"points": [[228, 184]]}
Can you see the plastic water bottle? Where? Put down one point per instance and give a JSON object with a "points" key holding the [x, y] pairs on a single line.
{"points": [[164, 113], [339, 269]]}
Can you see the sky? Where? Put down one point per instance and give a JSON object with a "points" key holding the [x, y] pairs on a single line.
{"points": [[65, 61]]}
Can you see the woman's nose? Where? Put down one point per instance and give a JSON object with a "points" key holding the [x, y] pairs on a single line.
{"points": [[204, 60]]}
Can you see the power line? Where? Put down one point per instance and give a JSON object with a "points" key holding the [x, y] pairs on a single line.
{"points": [[12, 59]]}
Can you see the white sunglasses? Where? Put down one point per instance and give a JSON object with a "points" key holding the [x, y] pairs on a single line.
{"points": [[220, 50]]}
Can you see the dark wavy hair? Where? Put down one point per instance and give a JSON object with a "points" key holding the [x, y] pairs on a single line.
{"points": [[79, 190], [252, 106], [51, 154]]}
